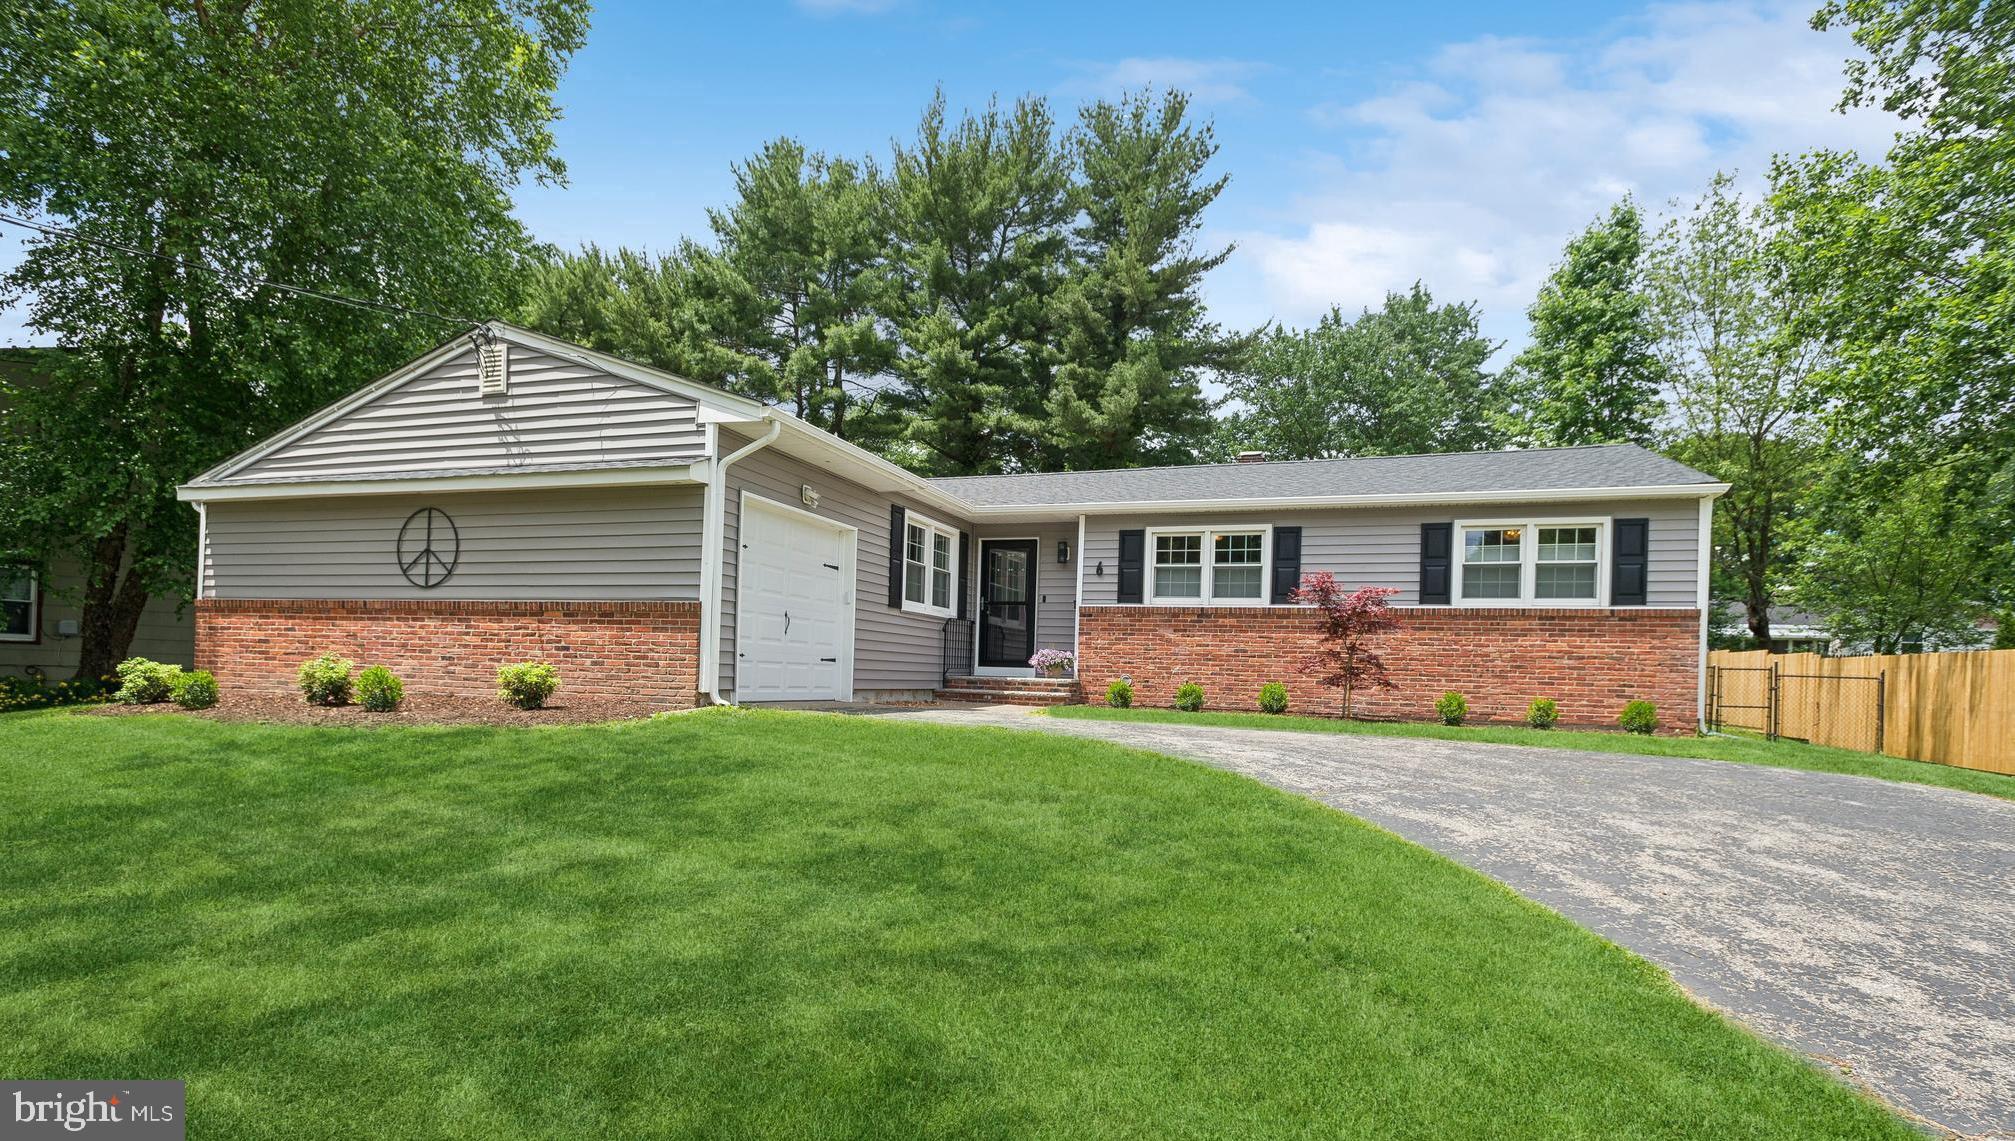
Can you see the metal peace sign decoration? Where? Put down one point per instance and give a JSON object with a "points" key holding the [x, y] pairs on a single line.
{"points": [[429, 547]]}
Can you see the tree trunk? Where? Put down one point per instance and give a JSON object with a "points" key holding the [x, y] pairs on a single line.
{"points": [[112, 605]]}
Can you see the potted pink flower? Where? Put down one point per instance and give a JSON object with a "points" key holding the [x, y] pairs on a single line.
{"points": [[1053, 663]]}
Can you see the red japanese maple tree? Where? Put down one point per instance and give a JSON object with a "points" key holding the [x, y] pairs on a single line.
{"points": [[1352, 625]]}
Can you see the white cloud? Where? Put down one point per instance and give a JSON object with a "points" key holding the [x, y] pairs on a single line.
{"points": [[1472, 173], [1205, 80]]}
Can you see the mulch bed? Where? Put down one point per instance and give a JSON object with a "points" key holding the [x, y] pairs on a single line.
{"points": [[417, 709]]}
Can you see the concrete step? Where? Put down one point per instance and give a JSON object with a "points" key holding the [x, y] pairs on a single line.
{"points": [[1031, 683], [1008, 696]]}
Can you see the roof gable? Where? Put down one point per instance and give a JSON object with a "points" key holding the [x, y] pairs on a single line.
{"points": [[563, 408]]}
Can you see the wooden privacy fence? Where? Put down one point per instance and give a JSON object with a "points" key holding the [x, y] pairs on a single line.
{"points": [[1950, 708]]}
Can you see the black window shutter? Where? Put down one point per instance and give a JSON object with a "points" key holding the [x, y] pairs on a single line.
{"points": [[1286, 563], [897, 536], [964, 558], [1436, 541], [1630, 563], [1132, 554]]}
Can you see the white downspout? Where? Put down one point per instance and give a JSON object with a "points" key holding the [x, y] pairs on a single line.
{"points": [[1702, 595], [713, 533]]}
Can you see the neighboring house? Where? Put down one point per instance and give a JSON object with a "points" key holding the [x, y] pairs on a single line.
{"points": [[511, 496], [1796, 632], [39, 618]]}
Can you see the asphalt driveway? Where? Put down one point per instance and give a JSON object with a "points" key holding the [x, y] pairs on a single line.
{"points": [[1867, 923]]}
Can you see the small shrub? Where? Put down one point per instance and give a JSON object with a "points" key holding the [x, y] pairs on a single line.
{"points": [[527, 685], [196, 689], [1273, 698], [1639, 717], [17, 693], [326, 680], [1119, 694], [143, 682], [1542, 713], [1451, 707], [379, 690], [1189, 697]]}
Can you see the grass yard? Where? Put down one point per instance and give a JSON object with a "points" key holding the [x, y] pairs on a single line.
{"points": [[774, 924], [1741, 750]]}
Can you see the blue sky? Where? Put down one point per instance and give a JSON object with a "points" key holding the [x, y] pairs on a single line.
{"points": [[1369, 145]]}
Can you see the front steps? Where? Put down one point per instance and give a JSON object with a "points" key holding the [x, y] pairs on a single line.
{"points": [[1011, 690]]}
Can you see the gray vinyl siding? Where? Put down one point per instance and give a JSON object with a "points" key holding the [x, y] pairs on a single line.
{"points": [[1055, 583], [555, 413], [893, 649], [582, 544], [1381, 546], [166, 633]]}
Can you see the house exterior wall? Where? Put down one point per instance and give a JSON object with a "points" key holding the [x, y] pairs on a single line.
{"points": [[647, 651], [555, 412], [631, 543], [1589, 660], [167, 630], [895, 651], [1055, 583], [1381, 546]]}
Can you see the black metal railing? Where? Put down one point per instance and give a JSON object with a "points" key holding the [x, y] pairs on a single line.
{"points": [[957, 644]]}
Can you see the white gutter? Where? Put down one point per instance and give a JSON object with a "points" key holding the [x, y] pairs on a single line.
{"points": [[713, 535]]}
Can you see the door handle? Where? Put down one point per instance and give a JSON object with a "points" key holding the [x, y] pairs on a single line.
{"points": [[787, 621]]}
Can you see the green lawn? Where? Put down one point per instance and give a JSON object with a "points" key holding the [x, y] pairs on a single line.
{"points": [[1742, 750], [773, 924]]}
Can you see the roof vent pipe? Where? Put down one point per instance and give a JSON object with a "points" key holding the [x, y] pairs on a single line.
{"points": [[1252, 457]]}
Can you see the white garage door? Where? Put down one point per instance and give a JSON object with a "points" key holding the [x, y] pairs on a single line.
{"points": [[794, 606]]}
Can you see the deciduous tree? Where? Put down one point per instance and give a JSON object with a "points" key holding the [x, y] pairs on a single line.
{"points": [[364, 148], [1354, 625], [1590, 375], [1404, 379], [1742, 402]]}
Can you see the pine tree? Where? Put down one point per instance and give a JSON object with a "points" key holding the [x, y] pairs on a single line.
{"points": [[1130, 326], [979, 214]]}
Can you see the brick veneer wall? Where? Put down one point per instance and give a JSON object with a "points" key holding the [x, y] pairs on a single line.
{"points": [[644, 650], [1590, 661]]}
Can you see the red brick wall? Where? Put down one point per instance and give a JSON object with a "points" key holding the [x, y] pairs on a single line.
{"points": [[644, 650], [1590, 661]]}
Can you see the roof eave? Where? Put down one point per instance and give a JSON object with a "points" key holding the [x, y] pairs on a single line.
{"points": [[1399, 499]]}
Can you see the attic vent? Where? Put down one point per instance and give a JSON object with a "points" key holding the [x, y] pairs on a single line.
{"points": [[494, 367], [1252, 457]]}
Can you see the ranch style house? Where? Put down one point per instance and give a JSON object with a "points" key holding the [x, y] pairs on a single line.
{"points": [[510, 496]]}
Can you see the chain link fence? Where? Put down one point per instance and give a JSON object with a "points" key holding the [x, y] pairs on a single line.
{"points": [[1845, 711]]}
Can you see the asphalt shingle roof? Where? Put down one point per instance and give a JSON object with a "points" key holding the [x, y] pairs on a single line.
{"points": [[1539, 469]]}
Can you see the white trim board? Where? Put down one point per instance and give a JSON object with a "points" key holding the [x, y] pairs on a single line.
{"points": [[408, 484]]}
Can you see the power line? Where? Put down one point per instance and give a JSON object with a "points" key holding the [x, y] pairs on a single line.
{"points": [[243, 278]]}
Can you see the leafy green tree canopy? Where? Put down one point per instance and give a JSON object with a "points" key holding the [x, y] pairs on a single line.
{"points": [[1590, 375], [364, 148], [1404, 379]]}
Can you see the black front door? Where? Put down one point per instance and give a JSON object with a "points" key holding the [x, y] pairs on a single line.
{"points": [[1007, 601]]}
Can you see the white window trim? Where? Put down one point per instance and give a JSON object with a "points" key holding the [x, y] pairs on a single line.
{"points": [[34, 613], [1209, 533], [931, 527], [1528, 559]]}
